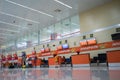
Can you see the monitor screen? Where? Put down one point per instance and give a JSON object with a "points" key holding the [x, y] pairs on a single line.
{"points": [[65, 46], [83, 43], [42, 50], [91, 41], [59, 47]]}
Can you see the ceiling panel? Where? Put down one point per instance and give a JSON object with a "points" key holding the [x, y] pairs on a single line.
{"points": [[24, 13]]}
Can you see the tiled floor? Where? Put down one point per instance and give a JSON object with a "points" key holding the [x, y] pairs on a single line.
{"points": [[94, 73]]}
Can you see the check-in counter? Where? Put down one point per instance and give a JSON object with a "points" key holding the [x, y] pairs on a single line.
{"points": [[113, 58], [38, 62], [81, 60], [51, 61]]}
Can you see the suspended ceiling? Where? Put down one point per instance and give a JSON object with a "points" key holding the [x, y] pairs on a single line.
{"points": [[20, 17]]}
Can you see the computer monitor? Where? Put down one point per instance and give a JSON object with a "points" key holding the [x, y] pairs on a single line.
{"points": [[65, 46]]}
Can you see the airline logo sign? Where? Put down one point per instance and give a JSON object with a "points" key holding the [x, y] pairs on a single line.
{"points": [[63, 51], [74, 49], [46, 54], [101, 46], [105, 45], [116, 44], [94, 47]]}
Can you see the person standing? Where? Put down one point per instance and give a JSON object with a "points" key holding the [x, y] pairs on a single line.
{"points": [[56, 60], [24, 59]]}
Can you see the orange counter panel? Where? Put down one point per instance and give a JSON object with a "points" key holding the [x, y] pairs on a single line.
{"points": [[51, 61], [113, 56], [38, 63], [20, 60], [81, 59]]}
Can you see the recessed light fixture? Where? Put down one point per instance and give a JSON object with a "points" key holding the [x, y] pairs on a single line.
{"points": [[63, 4], [57, 10], [29, 24], [12, 33], [29, 8], [6, 34], [67, 24], [14, 21], [19, 17]]}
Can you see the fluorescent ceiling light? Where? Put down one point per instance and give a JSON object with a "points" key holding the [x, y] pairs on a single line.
{"points": [[9, 30], [12, 24], [5, 34], [76, 30], [75, 24], [29, 8], [63, 4], [19, 17]]}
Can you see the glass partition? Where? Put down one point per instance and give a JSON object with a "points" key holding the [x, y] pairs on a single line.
{"points": [[65, 28]]}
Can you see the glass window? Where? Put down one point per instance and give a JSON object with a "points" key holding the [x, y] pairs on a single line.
{"points": [[58, 30], [75, 24], [51, 29], [21, 43], [45, 35], [10, 46], [65, 28]]}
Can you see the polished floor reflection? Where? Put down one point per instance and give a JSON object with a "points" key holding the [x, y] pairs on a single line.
{"points": [[94, 73]]}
